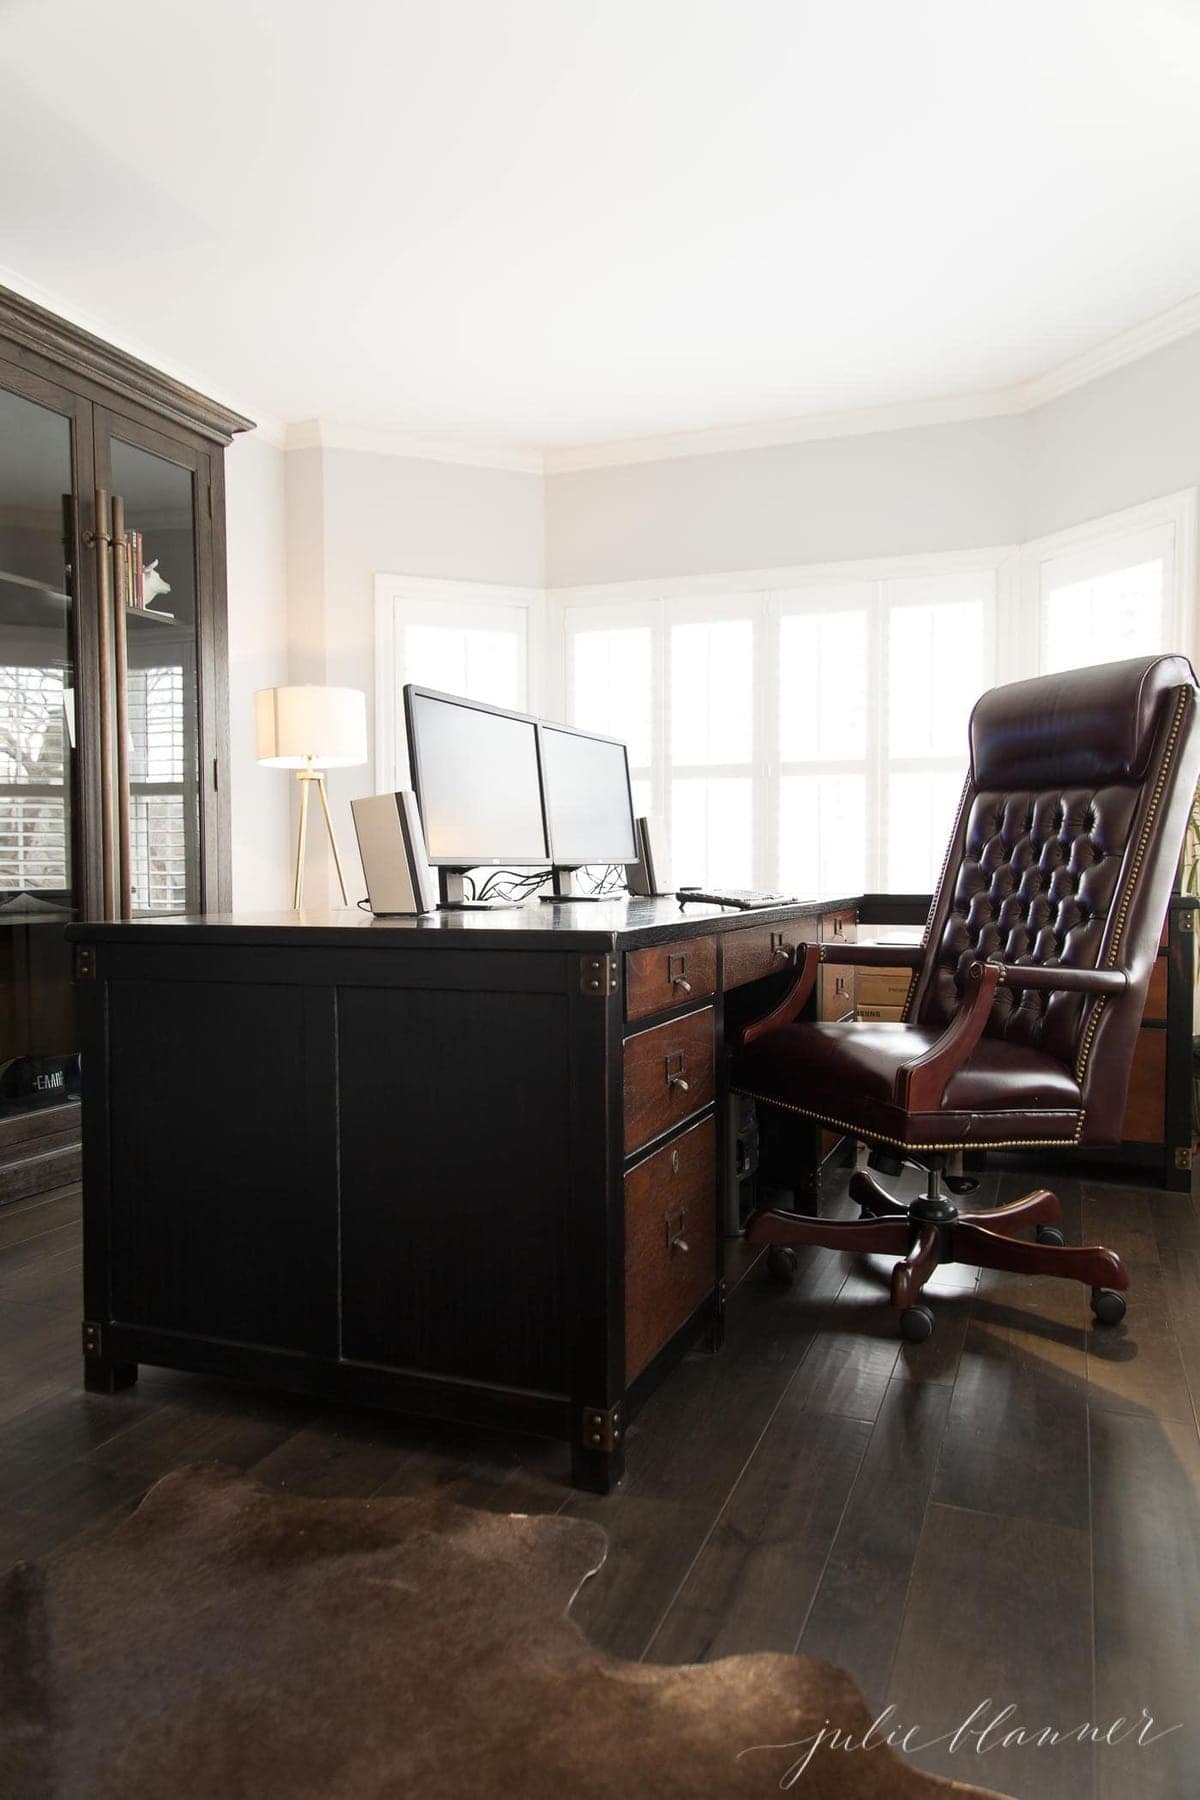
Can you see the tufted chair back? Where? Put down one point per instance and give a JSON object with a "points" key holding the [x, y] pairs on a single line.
{"points": [[1064, 851]]}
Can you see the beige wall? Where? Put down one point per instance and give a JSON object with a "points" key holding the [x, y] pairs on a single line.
{"points": [[309, 532], [941, 487], [255, 474], [1129, 436]]}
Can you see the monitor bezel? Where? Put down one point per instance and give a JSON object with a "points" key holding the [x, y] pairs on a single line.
{"points": [[595, 737], [414, 691]]}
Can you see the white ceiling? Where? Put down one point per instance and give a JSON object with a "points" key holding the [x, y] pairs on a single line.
{"points": [[552, 222]]}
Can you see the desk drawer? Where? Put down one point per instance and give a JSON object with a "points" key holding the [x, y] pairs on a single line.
{"points": [[670, 1203], [762, 950], [669, 974], [836, 997], [668, 1076]]}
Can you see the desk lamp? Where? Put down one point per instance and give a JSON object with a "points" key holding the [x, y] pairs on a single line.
{"points": [[311, 729]]}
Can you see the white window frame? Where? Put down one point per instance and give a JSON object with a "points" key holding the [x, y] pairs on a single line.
{"points": [[1175, 515], [466, 602], [1013, 641], [764, 595]]}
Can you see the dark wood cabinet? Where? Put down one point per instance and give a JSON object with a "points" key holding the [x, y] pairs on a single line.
{"points": [[113, 712]]}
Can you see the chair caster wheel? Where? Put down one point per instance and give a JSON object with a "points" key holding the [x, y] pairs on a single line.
{"points": [[884, 1163], [1108, 1306], [960, 1184], [1050, 1234], [782, 1263], [916, 1324]]}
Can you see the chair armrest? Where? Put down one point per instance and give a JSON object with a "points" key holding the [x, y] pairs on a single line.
{"points": [[875, 956], [794, 1000], [921, 1083], [1040, 979], [809, 958]]}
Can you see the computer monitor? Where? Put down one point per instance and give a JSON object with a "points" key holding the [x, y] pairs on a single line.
{"points": [[476, 777], [589, 805]]}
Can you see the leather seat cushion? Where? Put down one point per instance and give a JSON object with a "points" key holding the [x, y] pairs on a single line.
{"points": [[845, 1074]]}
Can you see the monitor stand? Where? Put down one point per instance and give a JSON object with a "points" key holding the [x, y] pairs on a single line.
{"points": [[562, 888], [452, 895]]}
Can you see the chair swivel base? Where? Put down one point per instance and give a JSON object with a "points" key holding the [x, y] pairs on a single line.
{"points": [[931, 1231]]}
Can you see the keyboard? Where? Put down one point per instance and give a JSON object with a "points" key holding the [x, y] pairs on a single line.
{"points": [[745, 899]]}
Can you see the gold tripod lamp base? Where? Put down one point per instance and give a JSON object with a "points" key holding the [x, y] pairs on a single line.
{"points": [[306, 778], [311, 729]]}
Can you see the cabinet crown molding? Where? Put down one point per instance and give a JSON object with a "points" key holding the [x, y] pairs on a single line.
{"points": [[67, 346]]}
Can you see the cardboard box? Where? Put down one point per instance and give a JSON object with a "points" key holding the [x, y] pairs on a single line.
{"points": [[881, 987]]}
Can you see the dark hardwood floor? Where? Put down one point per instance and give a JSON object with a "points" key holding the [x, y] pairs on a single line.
{"points": [[1007, 1514]]}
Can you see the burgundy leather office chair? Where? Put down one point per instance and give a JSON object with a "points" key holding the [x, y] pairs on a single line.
{"points": [[1028, 988]]}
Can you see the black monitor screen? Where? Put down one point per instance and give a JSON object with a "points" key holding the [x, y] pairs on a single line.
{"points": [[588, 805], [475, 772]]}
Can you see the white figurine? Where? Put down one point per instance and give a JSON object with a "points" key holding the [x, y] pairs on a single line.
{"points": [[153, 584]]}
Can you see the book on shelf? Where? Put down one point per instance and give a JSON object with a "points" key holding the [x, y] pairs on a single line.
{"points": [[135, 572]]}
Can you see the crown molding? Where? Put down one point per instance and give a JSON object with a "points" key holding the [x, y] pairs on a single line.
{"points": [[857, 422], [325, 434], [1021, 397], [48, 325], [1114, 353], [128, 363]]}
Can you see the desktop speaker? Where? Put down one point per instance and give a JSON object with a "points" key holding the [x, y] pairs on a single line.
{"points": [[651, 873], [392, 847]]}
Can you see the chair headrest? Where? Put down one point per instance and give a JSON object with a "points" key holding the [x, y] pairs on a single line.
{"points": [[1085, 725]]}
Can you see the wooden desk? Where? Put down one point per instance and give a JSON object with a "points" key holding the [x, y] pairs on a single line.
{"points": [[463, 1166]]}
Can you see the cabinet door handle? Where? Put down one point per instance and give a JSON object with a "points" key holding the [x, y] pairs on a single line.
{"points": [[124, 864]]}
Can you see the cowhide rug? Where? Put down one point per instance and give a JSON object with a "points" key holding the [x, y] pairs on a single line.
{"points": [[227, 1642]]}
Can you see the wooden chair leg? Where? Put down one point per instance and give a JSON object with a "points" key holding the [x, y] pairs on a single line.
{"points": [[887, 1237], [1092, 1264], [866, 1192], [910, 1276], [1039, 1208]]}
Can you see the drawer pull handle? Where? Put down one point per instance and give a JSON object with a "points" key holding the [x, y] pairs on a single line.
{"points": [[679, 1081], [675, 1064], [784, 950], [677, 973], [681, 982], [675, 1238]]}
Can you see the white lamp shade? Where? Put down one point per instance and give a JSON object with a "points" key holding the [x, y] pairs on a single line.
{"points": [[325, 727]]}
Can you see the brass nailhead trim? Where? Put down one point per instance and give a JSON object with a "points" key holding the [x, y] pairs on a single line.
{"points": [[1126, 899], [915, 975], [878, 1137], [1085, 1049], [1160, 784]]}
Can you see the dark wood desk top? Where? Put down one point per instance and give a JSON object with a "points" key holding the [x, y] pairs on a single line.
{"points": [[605, 925]]}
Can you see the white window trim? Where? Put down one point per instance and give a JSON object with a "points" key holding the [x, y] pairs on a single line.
{"points": [[1012, 637], [1022, 616], [391, 593], [761, 594]]}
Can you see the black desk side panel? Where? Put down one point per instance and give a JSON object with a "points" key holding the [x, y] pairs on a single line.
{"points": [[221, 1151], [454, 1113]]}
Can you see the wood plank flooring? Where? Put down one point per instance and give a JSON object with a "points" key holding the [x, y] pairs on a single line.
{"points": [[1008, 1513]]}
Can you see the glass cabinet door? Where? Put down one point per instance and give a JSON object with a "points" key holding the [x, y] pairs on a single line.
{"points": [[156, 578], [39, 874]]}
